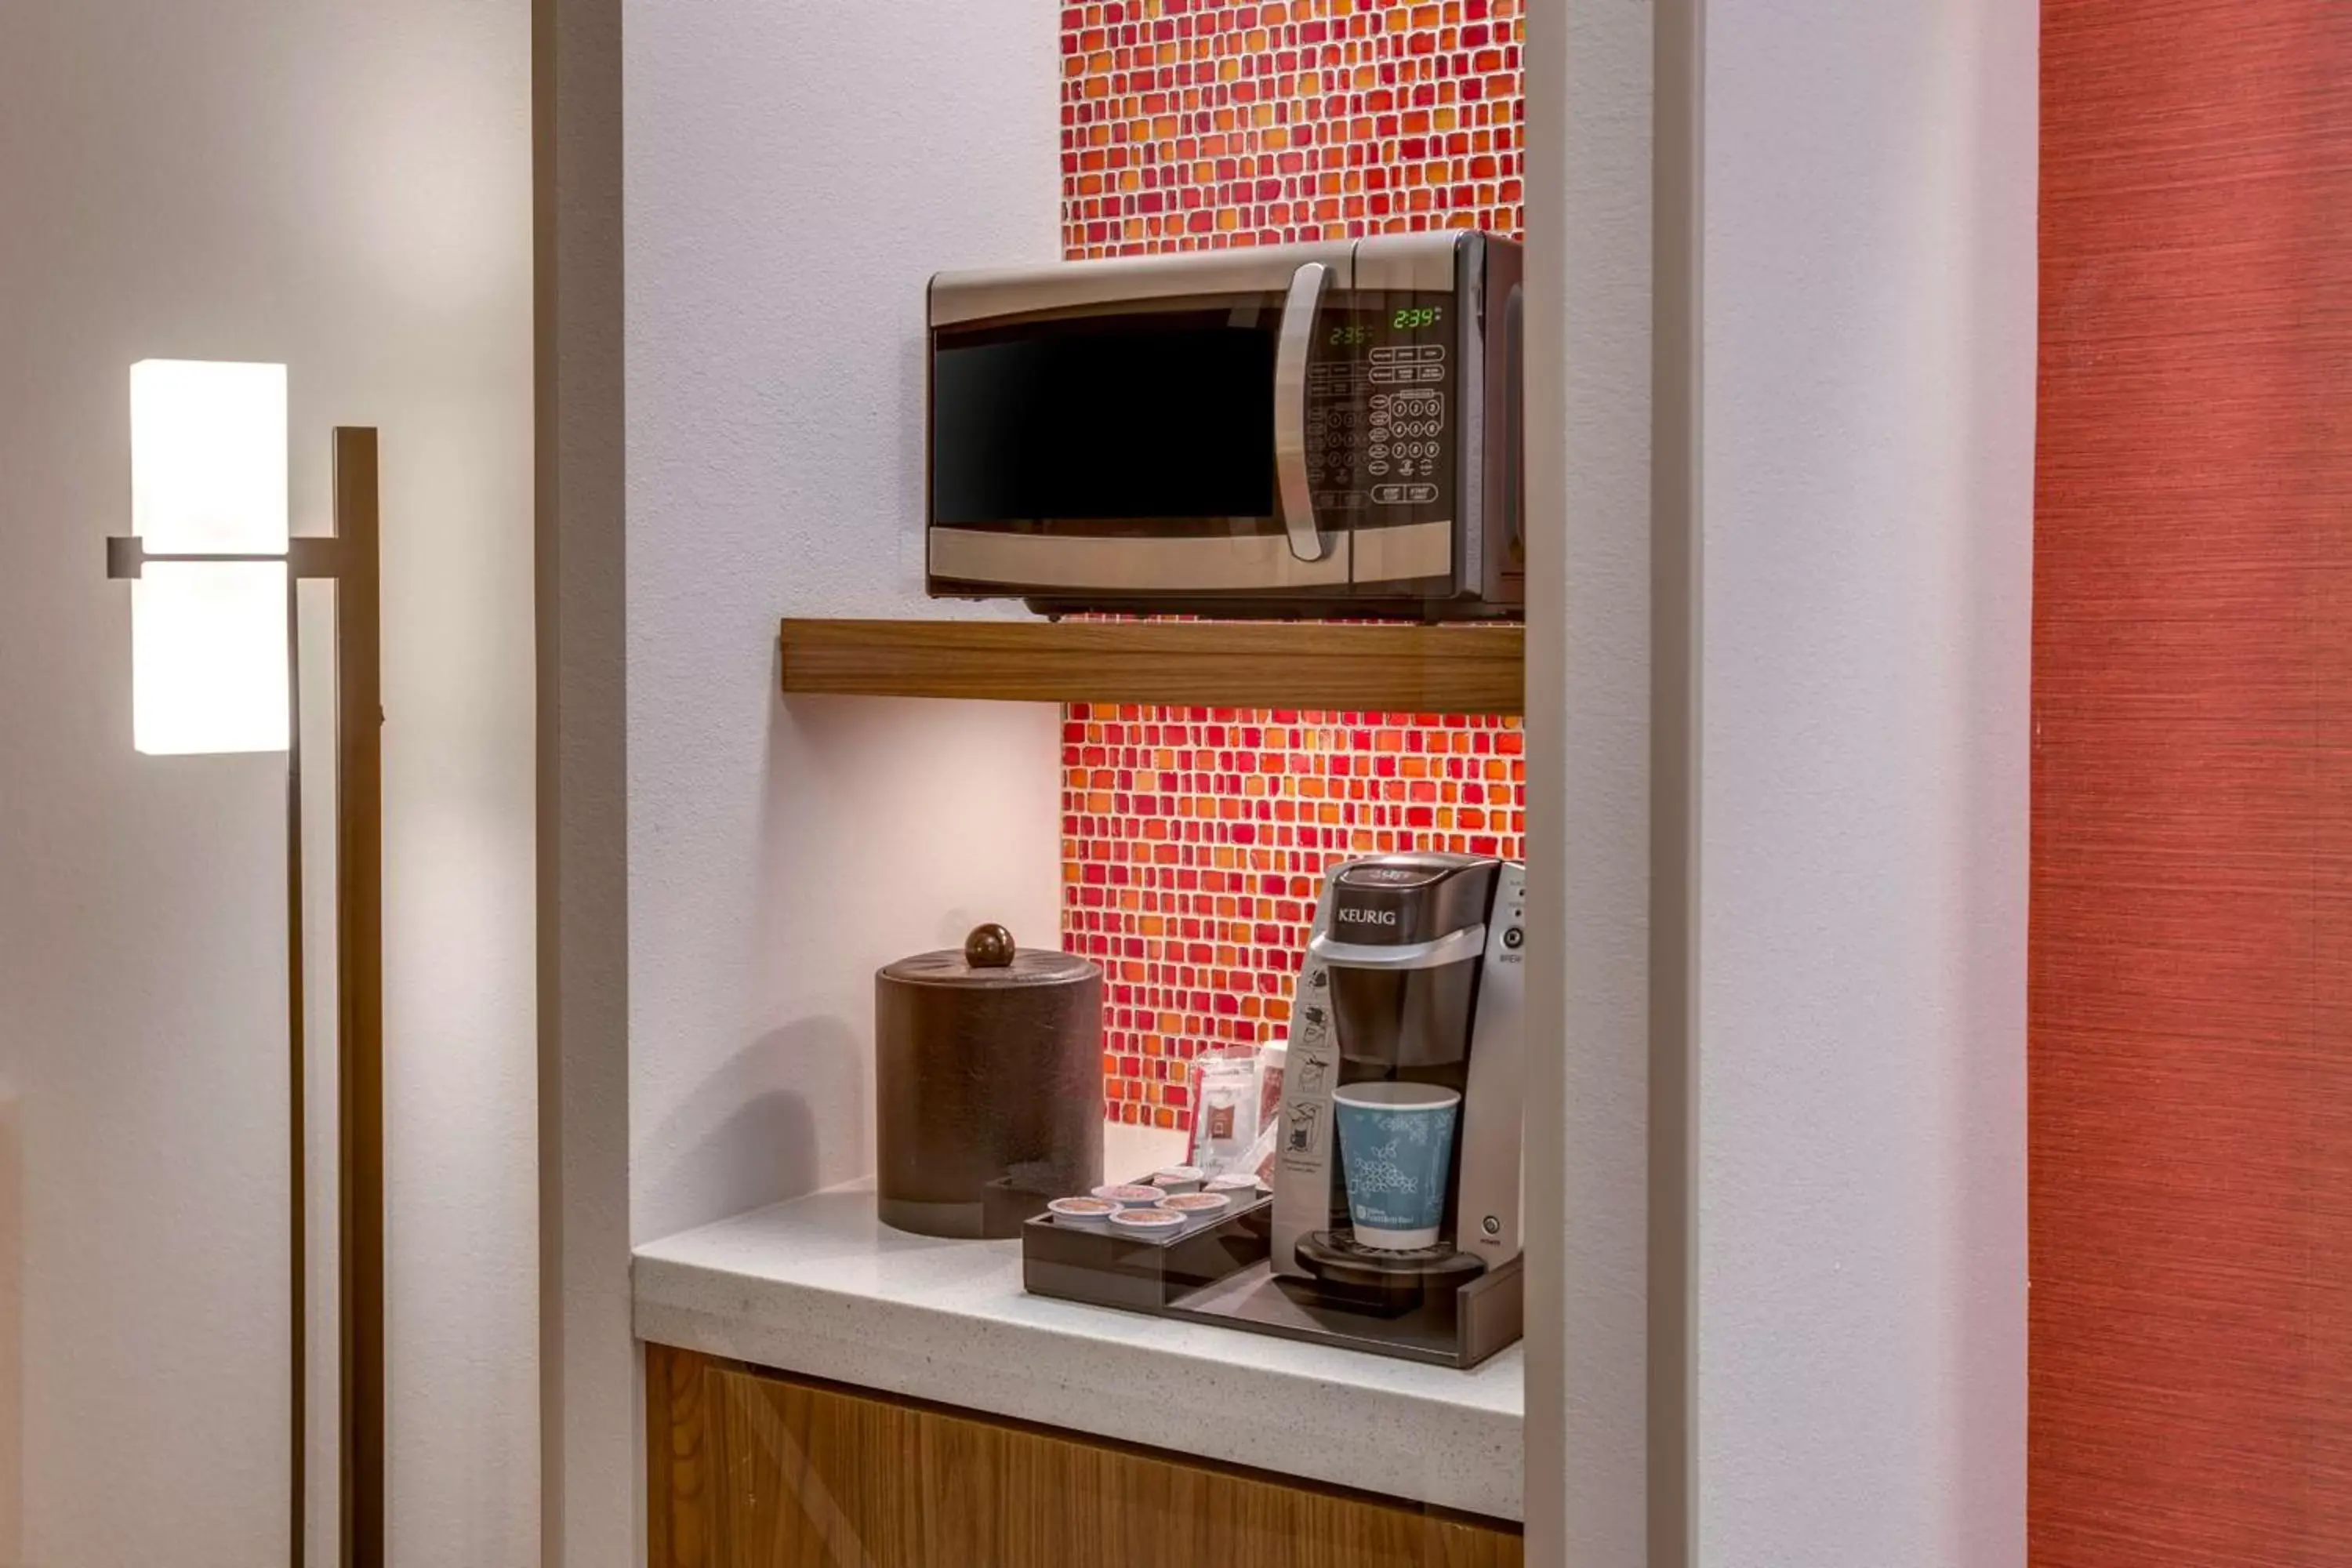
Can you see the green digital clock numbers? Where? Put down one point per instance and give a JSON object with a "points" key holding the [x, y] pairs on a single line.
{"points": [[1355, 334]]}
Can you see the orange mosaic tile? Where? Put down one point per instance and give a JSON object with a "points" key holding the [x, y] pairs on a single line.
{"points": [[1189, 123], [1195, 840]]}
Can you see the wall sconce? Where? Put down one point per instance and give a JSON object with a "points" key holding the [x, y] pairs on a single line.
{"points": [[215, 667]]}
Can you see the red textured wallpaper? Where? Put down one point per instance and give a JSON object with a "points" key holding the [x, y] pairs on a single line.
{"points": [[2191, 948], [1194, 840]]}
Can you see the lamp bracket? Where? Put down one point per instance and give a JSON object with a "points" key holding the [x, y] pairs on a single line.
{"points": [[310, 555]]}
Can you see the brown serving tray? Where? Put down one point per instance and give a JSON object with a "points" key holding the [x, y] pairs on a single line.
{"points": [[1219, 1273], [1141, 1274]]}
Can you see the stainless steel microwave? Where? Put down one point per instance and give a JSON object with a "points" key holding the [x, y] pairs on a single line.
{"points": [[1327, 429]]}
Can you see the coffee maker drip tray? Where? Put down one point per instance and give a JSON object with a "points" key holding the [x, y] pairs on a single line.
{"points": [[1435, 1305], [1457, 1315], [1383, 1281]]}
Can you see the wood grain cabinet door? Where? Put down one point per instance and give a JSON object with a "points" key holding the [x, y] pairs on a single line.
{"points": [[754, 1471]]}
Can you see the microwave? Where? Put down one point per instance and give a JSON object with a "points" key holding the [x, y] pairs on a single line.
{"points": [[1326, 429]]}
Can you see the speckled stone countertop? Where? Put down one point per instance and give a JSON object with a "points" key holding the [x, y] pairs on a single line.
{"points": [[820, 1287]]}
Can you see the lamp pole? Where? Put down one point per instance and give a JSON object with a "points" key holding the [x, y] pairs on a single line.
{"points": [[351, 559]]}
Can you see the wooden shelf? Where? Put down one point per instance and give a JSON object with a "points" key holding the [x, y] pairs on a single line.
{"points": [[1206, 664]]}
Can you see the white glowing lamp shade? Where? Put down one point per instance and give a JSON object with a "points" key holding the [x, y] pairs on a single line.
{"points": [[208, 657], [208, 477], [208, 457]]}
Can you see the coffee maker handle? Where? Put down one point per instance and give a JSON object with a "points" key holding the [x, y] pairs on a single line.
{"points": [[1297, 339]]}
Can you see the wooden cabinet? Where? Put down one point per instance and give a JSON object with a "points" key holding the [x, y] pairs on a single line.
{"points": [[751, 1470]]}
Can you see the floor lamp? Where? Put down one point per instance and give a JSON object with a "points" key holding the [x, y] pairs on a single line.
{"points": [[216, 661]]}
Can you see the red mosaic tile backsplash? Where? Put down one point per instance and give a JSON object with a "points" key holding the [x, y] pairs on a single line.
{"points": [[1194, 844], [1195, 840], [1194, 122]]}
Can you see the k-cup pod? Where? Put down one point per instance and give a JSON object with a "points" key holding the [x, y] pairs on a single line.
{"points": [[1086, 1214], [1156, 1223], [1199, 1208], [1129, 1195]]}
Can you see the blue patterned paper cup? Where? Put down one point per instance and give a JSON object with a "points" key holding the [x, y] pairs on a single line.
{"points": [[1396, 1144]]}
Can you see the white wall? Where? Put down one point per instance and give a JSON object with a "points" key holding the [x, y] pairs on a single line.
{"points": [[792, 176], [346, 188], [1591, 906], [1866, 499]]}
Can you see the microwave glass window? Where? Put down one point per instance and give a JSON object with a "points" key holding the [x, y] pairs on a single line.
{"points": [[1172, 419]]}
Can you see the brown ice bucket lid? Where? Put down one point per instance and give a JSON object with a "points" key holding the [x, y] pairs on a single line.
{"points": [[989, 959]]}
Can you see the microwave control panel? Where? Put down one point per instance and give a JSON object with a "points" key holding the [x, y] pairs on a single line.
{"points": [[1379, 404]]}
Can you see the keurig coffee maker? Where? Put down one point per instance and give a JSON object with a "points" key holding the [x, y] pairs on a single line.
{"points": [[1395, 1222]]}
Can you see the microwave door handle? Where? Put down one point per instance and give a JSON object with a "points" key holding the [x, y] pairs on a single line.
{"points": [[1297, 338]]}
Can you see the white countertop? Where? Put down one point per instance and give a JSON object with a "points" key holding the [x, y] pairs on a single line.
{"points": [[820, 1287]]}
